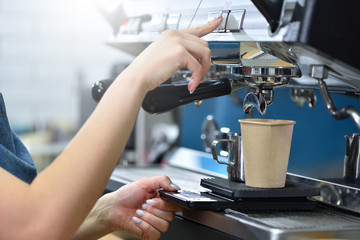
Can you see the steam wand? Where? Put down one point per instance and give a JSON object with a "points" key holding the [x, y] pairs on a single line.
{"points": [[319, 72], [352, 150]]}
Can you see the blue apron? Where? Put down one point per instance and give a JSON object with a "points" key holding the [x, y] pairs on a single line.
{"points": [[14, 157]]}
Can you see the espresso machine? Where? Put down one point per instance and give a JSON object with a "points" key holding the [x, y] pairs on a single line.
{"points": [[270, 59]]}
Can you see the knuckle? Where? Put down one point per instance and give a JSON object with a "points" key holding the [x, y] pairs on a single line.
{"points": [[145, 231], [198, 29], [152, 235], [165, 177], [179, 51], [166, 227], [169, 33], [157, 235], [207, 53], [171, 217], [205, 43]]}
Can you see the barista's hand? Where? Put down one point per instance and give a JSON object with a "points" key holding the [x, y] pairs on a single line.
{"points": [[137, 208], [174, 50]]}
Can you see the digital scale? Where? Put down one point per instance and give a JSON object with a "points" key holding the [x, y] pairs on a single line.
{"points": [[236, 195]]}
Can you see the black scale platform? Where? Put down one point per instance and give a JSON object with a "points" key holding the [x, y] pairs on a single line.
{"points": [[294, 196], [237, 190]]}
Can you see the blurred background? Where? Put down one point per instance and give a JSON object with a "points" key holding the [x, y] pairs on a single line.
{"points": [[51, 52]]}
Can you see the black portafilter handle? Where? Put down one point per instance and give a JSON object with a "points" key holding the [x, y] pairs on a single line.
{"points": [[99, 88], [169, 96]]}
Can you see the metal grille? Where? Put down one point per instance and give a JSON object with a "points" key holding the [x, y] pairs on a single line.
{"points": [[318, 219]]}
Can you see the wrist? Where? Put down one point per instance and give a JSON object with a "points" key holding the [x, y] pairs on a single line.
{"points": [[100, 214], [96, 223], [134, 78]]}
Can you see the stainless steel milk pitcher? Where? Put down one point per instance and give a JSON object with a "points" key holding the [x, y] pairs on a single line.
{"points": [[352, 157], [235, 163]]}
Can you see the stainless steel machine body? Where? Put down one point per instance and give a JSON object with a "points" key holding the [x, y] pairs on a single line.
{"points": [[262, 46]]}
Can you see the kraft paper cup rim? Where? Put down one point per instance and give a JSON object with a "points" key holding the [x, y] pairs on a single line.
{"points": [[267, 122]]}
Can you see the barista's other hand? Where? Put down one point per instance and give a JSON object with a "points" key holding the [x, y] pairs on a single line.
{"points": [[138, 209], [174, 50]]}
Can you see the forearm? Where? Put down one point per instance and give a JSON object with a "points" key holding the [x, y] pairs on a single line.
{"points": [[63, 194], [86, 164]]}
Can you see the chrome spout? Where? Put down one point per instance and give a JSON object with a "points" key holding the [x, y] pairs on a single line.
{"points": [[253, 100], [259, 100]]}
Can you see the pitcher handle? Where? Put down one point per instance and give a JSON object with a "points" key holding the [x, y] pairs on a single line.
{"points": [[214, 152]]}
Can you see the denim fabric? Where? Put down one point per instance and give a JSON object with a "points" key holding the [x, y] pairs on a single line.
{"points": [[14, 157]]}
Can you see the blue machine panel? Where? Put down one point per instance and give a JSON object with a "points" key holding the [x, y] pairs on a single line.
{"points": [[318, 144]]}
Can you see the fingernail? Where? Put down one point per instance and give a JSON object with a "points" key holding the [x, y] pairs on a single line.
{"points": [[140, 212], [219, 15], [137, 220], [174, 186], [151, 202], [144, 206], [190, 86]]}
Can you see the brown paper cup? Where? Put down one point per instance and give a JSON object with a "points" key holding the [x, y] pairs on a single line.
{"points": [[266, 150]]}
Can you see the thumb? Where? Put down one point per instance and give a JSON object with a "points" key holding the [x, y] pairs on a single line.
{"points": [[158, 182]]}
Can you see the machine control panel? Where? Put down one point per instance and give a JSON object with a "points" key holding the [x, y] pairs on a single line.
{"points": [[173, 20], [158, 22], [232, 20], [162, 22]]}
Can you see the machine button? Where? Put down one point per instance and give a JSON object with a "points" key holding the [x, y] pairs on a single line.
{"points": [[158, 22], [235, 20], [215, 14], [173, 21], [232, 20], [133, 25]]}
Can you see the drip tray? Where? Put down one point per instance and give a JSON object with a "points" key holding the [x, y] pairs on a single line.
{"points": [[319, 223]]}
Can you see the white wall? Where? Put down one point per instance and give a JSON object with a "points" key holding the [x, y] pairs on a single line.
{"points": [[48, 48]]}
